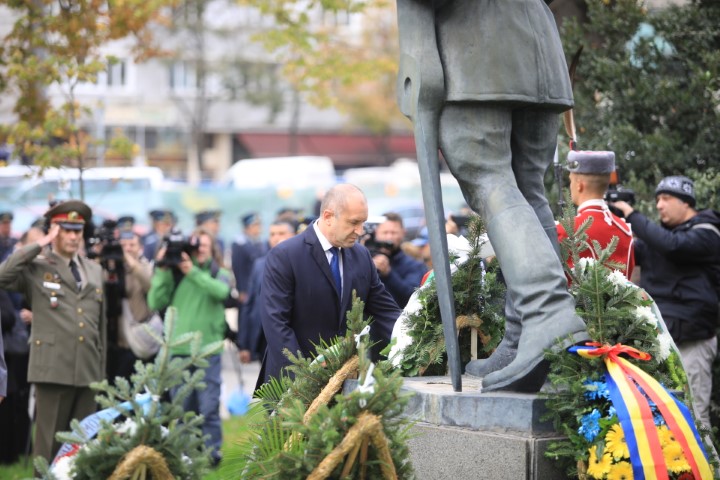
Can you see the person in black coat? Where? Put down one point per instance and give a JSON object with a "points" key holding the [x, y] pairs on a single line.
{"points": [[400, 273], [679, 261], [250, 340]]}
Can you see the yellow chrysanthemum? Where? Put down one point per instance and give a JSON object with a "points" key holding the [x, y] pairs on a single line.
{"points": [[598, 467], [666, 436], [615, 442], [621, 471], [675, 458]]}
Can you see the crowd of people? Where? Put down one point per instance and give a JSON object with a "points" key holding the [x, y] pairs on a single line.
{"points": [[85, 293], [66, 303]]}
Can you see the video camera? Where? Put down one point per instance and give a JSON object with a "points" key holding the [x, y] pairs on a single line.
{"points": [[103, 244], [175, 244], [375, 246], [618, 193]]}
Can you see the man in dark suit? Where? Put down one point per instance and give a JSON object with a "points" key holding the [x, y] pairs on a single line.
{"points": [[303, 301], [250, 340]]}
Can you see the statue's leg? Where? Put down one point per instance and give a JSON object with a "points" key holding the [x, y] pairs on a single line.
{"points": [[533, 143], [532, 154], [476, 139]]}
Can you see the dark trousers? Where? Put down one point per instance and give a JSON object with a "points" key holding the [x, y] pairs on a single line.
{"points": [[14, 417], [55, 406], [120, 363]]}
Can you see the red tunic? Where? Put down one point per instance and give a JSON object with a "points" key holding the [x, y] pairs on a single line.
{"points": [[604, 227]]}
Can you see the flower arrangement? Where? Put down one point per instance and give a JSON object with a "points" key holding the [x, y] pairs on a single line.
{"points": [[617, 398], [418, 344]]}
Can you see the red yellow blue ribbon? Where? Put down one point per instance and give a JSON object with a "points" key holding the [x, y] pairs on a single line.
{"points": [[630, 388]]}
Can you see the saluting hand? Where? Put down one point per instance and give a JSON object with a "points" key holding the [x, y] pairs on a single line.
{"points": [[50, 236]]}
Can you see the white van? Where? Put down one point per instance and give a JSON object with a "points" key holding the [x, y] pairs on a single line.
{"points": [[281, 173], [63, 183]]}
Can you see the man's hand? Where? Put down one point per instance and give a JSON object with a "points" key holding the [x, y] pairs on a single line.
{"points": [[130, 261], [160, 254], [26, 316], [382, 263], [185, 264], [624, 207], [243, 297], [50, 236], [244, 356]]}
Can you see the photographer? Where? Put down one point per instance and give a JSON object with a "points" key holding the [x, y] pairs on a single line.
{"points": [[138, 272], [400, 273], [187, 278], [680, 269], [102, 246]]}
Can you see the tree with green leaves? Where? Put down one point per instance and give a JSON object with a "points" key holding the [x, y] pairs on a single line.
{"points": [[58, 46], [648, 88], [340, 54]]}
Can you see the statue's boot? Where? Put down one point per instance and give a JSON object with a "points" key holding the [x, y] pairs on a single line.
{"points": [[537, 288], [506, 350]]}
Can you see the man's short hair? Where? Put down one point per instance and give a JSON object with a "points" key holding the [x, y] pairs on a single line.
{"points": [[393, 217]]}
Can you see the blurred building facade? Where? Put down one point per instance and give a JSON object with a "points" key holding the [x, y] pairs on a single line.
{"points": [[239, 100]]}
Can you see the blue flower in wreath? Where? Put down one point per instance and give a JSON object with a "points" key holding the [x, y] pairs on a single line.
{"points": [[595, 390], [612, 412], [589, 425]]}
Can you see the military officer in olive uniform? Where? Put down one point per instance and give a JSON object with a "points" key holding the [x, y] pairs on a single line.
{"points": [[68, 340]]}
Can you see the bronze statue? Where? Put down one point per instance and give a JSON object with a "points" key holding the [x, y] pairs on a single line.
{"points": [[490, 78]]}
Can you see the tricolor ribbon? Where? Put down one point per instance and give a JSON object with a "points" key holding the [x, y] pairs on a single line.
{"points": [[90, 425], [631, 391]]}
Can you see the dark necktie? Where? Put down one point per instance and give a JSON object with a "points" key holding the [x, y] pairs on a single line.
{"points": [[76, 274], [335, 268]]}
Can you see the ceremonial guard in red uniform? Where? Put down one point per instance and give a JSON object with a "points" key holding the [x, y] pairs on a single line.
{"points": [[589, 180]]}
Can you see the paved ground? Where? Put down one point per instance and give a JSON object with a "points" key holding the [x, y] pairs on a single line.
{"points": [[236, 376]]}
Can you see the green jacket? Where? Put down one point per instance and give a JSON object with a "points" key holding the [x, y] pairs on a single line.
{"points": [[199, 299]]}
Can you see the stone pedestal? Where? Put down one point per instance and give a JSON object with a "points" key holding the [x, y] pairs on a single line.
{"points": [[474, 436]]}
